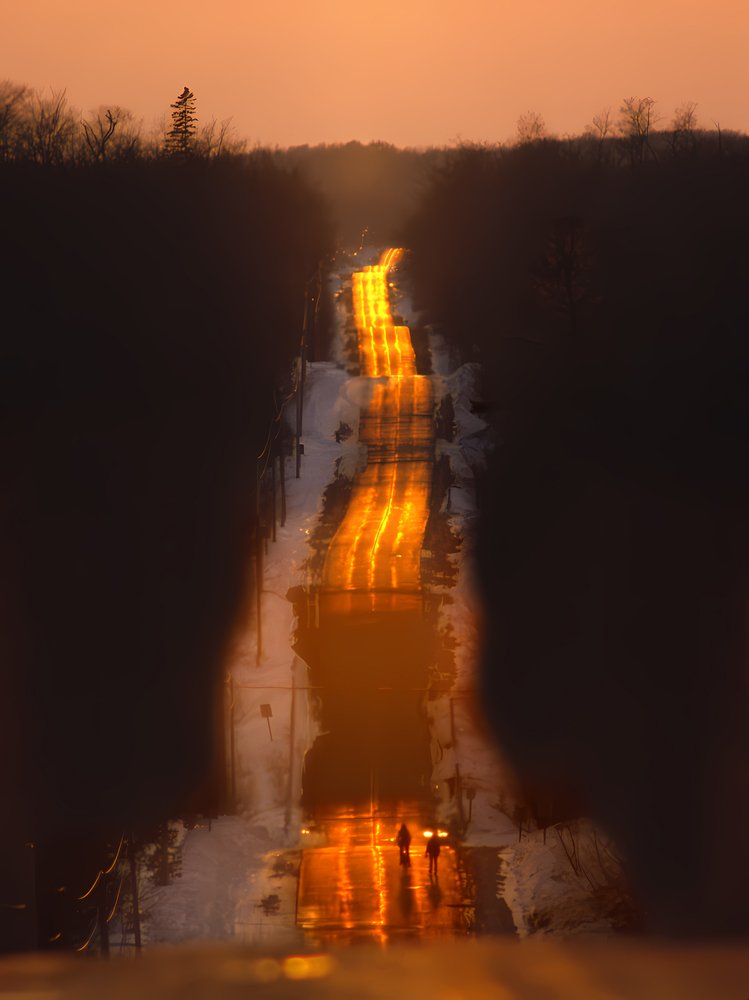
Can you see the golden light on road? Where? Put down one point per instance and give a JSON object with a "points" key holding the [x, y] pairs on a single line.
{"points": [[377, 547], [355, 885]]}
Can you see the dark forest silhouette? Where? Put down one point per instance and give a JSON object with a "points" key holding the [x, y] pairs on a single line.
{"points": [[151, 309], [603, 288]]}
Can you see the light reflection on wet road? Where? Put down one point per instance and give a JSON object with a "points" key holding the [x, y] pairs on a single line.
{"points": [[354, 889], [370, 653]]}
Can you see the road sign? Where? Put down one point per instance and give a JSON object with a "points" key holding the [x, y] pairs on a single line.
{"points": [[266, 712]]}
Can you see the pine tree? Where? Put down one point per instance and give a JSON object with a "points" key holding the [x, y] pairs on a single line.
{"points": [[180, 138]]}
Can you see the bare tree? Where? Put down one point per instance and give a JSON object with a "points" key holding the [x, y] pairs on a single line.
{"points": [[98, 133], [637, 119], [128, 141], [218, 139], [600, 128], [683, 127], [14, 98], [720, 137], [50, 132], [530, 127], [685, 117], [594, 859], [602, 124], [111, 133]]}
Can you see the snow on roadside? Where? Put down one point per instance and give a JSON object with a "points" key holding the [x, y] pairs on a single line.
{"points": [[265, 755], [549, 890], [483, 773], [566, 884], [239, 878], [220, 867]]}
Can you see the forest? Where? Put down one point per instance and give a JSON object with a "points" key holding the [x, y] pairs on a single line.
{"points": [[601, 283], [152, 308]]}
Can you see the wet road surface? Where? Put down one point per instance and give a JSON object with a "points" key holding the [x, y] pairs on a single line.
{"points": [[369, 652], [355, 890]]}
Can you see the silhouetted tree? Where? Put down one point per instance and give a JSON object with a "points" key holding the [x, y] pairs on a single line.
{"points": [[613, 529], [218, 138], [637, 119], [601, 126], [48, 135], [112, 134], [14, 100], [98, 133], [125, 406], [683, 127], [530, 127], [180, 139]]}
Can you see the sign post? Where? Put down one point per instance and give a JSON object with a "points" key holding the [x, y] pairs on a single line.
{"points": [[267, 713]]}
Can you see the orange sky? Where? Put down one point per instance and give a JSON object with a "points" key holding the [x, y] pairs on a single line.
{"points": [[411, 72]]}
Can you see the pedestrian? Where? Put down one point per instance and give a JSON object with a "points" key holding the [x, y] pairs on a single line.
{"points": [[433, 850], [403, 840]]}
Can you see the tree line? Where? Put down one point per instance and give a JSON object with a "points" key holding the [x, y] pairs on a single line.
{"points": [[151, 310], [152, 304], [44, 128], [601, 281]]}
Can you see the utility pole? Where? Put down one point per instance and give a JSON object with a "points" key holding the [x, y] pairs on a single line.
{"points": [[273, 490], [282, 480], [259, 589], [134, 893], [300, 382], [292, 726], [164, 859], [101, 908], [258, 571], [316, 313], [232, 750], [459, 797]]}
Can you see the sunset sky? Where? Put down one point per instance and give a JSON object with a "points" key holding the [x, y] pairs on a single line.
{"points": [[410, 72]]}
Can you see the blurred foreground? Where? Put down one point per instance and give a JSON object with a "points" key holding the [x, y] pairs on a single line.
{"points": [[502, 970]]}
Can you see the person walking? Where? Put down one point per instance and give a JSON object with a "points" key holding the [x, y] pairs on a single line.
{"points": [[433, 851], [403, 840]]}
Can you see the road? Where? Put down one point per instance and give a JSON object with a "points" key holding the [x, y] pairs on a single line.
{"points": [[377, 547], [370, 653]]}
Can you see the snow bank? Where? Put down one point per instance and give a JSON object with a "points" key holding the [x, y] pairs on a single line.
{"points": [[235, 884], [566, 884], [239, 880], [268, 758], [550, 890], [460, 738]]}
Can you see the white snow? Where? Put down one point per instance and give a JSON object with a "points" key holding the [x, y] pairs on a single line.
{"points": [[572, 892]]}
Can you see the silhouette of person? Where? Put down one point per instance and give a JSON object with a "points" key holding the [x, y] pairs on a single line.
{"points": [[433, 851], [403, 841]]}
